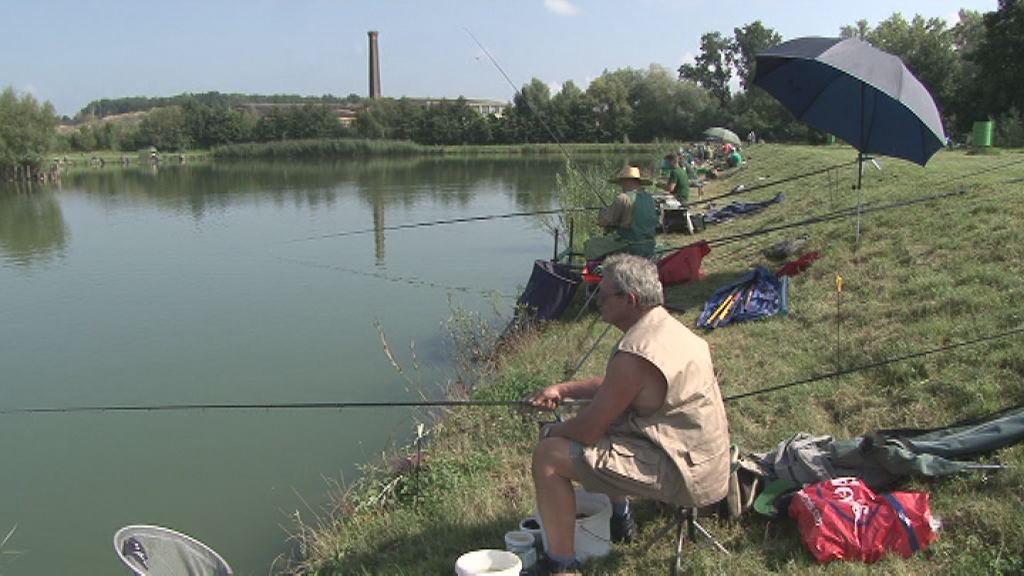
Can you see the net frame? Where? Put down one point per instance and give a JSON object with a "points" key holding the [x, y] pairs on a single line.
{"points": [[206, 561]]}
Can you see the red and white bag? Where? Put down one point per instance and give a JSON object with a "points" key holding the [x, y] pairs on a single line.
{"points": [[842, 519]]}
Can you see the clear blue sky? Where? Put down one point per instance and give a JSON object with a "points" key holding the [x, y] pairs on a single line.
{"points": [[73, 51]]}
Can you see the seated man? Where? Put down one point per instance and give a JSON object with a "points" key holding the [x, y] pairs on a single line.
{"points": [[734, 159], [631, 220], [655, 426], [678, 185]]}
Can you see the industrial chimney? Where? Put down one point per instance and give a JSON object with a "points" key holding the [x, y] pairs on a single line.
{"points": [[374, 66]]}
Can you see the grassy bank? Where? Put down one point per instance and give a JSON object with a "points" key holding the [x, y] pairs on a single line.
{"points": [[114, 157], [922, 276]]}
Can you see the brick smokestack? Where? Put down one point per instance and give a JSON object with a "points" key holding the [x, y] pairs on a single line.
{"points": [[374, 66]]}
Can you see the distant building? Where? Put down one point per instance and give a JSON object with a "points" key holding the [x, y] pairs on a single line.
{"points": [[482, 107]]}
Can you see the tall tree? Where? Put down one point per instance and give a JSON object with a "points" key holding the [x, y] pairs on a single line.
{"points": [[530, 111], [655, 105], [859, 30], [968, 34], [165, 128], [998, 57], [612, 95], [27, 130], [569, 117], [712, 68], [667, 108], [748, 41]]}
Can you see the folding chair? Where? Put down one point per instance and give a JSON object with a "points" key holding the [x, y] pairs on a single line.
{"points": [[685, 521]]}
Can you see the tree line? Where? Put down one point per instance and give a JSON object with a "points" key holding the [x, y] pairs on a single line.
{"points": [[194, 123], [970, 68], [115, 106]]}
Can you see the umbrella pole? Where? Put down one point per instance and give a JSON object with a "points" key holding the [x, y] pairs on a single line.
{"points": [[860, 190]]}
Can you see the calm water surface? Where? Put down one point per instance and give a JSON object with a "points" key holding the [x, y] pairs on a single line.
{"points": [[187, 285]]}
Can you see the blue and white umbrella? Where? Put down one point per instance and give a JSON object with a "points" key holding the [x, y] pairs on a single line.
{"points": [[857, 92]]}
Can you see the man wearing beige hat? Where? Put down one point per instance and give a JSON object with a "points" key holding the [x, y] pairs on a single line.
{"points": [[631, 220]]}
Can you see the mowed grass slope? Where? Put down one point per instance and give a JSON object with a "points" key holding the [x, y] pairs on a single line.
{"points": [[921, 277]]}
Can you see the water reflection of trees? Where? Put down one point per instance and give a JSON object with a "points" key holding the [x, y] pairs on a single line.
{"points": [[450, 183], [32, 225], [384, 182]]}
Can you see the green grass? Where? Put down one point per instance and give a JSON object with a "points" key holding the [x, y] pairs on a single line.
{"points": [[920, 277]]}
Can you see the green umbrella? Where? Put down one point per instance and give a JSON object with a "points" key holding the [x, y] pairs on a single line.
{"points": [[723, 134]]}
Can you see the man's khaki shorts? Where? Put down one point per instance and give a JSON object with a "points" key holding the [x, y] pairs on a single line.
{"points": [[627, 466]]}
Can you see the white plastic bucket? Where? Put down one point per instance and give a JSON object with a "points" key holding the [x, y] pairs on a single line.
{"points": [[593, 519], [489, 562], [532, 526], [522, 544]]}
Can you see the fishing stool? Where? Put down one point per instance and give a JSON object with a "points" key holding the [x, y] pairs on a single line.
{"points": [[685, 521]]}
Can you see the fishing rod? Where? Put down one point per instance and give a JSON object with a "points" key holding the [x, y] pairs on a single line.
{"points": [[735, 191], [431, 223], [844, 212], [539, 116], [486, 403], [848, 212], [990, 169], [742, 189], [273, 406], [837, 215], [870, 365], [466, 219]]}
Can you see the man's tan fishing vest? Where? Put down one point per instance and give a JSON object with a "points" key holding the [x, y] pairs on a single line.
{"points": [[691, 425]]}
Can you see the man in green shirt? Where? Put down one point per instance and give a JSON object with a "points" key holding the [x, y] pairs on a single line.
{"points": [[678, 185]]}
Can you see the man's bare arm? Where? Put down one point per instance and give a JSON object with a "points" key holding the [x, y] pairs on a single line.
{"points": [[628, 375]]}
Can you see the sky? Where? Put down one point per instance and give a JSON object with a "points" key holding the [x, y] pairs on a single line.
{"points": [[70, 52]]}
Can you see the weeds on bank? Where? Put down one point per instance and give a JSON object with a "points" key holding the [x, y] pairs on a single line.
{"points": [[919, 278], [576, 188]]}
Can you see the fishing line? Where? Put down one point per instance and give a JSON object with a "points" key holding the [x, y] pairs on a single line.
{"points": [[410, 280], [862, 367], [431, 223], [539, 116]]}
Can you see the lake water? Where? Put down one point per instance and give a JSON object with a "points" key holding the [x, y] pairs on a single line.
{"points": [[193, 284]]}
